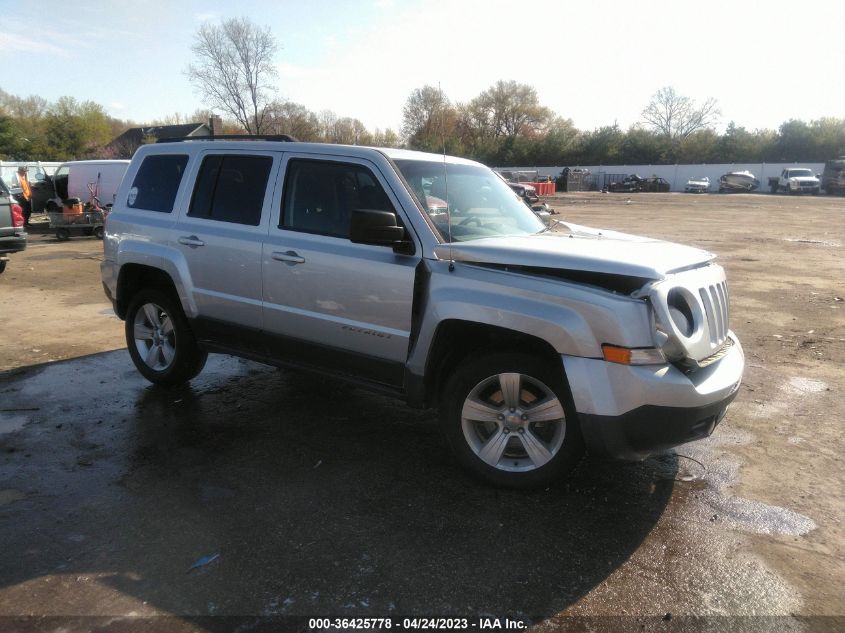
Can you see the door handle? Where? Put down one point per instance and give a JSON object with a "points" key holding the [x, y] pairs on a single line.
{"points": [[289, 257], [193, 241]]}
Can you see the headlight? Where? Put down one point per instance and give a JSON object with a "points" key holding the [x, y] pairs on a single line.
{"points": [[680, 310]]}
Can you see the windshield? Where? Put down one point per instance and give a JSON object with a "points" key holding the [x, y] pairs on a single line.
{"points": [[794, 173], [480, 204]]}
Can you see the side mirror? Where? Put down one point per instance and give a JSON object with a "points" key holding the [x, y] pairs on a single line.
{"points": [[369, 226]]}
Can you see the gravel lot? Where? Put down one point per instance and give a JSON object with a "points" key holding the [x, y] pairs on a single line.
{"points": [[324, 500]]}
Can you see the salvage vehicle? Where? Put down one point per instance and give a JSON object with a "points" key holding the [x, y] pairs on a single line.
{"points": [[654, 184], [833, 176], [796, 180], [698, 185], [629, 184], [738, 181], [533, 344], [12, 232]]}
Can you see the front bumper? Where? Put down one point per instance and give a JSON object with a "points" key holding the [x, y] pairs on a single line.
{"points": [[631, 412]]}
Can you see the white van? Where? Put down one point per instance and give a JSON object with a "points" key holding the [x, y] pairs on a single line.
{"points": [[84, 179]]}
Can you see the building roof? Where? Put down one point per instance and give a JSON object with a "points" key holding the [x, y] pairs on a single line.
{"points": [[136, 135]]}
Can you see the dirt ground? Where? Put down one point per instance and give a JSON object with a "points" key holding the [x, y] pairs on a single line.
{"points": [[324, 500]]}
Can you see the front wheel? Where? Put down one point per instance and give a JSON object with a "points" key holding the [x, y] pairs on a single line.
{"points": [[508, 417], [160, 340]]}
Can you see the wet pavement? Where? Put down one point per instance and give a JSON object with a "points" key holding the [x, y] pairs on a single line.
{"points": [[319, 499], [308, 497]]}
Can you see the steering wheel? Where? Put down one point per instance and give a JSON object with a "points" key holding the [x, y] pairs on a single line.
{"points": [[470, 219]]}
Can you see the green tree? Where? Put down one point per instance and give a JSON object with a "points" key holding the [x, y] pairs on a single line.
{"points": [[508, 109], [429, 120]]}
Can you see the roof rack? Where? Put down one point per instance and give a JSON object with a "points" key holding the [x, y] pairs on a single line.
{"points": [[284, 138]]}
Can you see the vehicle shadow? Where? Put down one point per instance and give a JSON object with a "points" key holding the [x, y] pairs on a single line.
{"points": [[320, 499]]}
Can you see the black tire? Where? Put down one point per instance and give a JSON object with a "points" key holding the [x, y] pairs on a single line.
{"points": [[187, 358], [468, 438], [98, 232], [63, 235], [2, 266]]}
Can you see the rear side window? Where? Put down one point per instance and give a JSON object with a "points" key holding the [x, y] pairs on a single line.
{"points": [[156, 183], [230, 188], [320, 196]]}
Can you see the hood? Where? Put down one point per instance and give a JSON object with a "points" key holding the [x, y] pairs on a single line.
{"points": [[582, 249]]}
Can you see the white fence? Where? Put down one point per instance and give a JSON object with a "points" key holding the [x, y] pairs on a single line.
{"points": [[677, 175]]}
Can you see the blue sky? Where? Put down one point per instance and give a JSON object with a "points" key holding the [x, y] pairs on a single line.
{"points": [[593, 62]]}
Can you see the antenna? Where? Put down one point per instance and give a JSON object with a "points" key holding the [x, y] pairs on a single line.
{"points": [[445, 178]]}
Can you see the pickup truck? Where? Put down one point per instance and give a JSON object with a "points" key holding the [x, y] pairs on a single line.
{"points": [[12, 232], [532, 343], [796, 180]]}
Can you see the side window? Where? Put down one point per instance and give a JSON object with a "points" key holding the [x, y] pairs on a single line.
{"points": [[156, 183], [320, 196], [230, 188]]}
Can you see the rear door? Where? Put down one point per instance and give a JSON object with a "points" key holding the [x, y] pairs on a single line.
{"points": [[327, 301], [220, 233]]}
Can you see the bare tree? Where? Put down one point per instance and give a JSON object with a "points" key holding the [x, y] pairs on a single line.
{"points": [[676, 116], [234, 65]]}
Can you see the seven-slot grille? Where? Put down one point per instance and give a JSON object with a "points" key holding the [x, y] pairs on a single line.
{"points": [[715, 300]]}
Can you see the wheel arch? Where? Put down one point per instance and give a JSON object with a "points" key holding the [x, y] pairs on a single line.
{"points": [[455, 340], [134, 277]]}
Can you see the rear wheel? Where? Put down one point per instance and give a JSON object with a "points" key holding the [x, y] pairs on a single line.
{"points": [[160, 340], [62, 235], [98, 232], [2, 266], [508, 417]]}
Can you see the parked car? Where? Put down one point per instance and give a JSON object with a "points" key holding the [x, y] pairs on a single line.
{"points": [[796, 180], [833, 176], [635, 183], [738, 181], [532, 344], [653, 184], [525, 191], [12, 232], [37, 173], [629, 184], [698, 185], [77, 179]]}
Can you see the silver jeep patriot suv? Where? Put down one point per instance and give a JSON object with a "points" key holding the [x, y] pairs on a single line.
{"points": [[426, 277]]}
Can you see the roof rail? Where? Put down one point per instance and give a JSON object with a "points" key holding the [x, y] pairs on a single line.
{"points": [[231, 137]]}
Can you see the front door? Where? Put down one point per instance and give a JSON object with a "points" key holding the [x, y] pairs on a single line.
{"points": [[327, 301]]}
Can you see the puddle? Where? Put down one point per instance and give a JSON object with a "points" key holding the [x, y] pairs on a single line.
{"points": [[10, 422], [721, 506]]}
